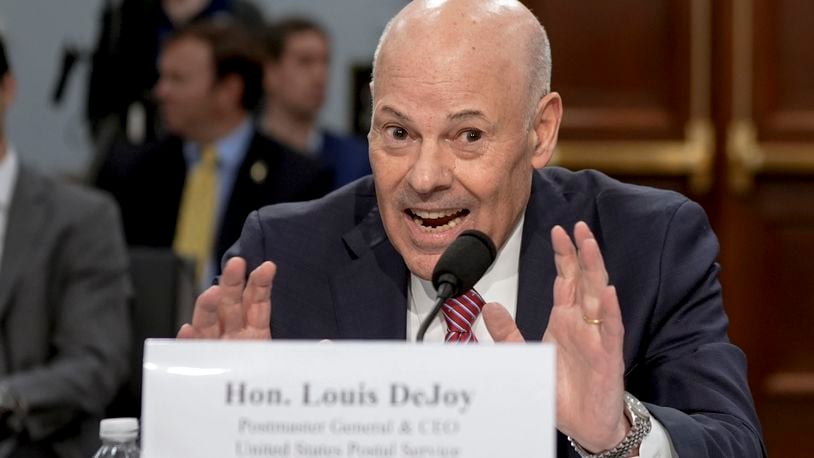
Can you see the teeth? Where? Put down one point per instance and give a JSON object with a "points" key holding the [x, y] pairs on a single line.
{"points": [[434, 215], [443, 228]]}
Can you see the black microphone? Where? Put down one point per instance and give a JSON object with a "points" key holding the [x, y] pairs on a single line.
{"points": [[461, 265]]}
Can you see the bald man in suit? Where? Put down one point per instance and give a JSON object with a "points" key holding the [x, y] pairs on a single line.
{"points": [[621, 279]]}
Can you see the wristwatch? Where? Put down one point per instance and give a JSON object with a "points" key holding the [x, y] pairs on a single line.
{"points": [[640, 425]]}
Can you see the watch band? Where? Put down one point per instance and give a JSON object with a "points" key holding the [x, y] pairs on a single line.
{"points": [[640, 426]]}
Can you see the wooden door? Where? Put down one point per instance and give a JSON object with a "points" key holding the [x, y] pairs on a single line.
{"points": [[766, 219], [713, 98]]}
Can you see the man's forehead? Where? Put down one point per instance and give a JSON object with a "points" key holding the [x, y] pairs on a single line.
{"points": [[453, 17], [449, 39], [453, 116], [305, 38], [186, 45], [458, 71]]}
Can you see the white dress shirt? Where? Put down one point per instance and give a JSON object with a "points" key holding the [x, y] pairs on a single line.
{"points": [[500, 284], [8, 177]]}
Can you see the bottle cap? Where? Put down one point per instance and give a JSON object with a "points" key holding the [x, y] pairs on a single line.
{"points": [[118, 429]]}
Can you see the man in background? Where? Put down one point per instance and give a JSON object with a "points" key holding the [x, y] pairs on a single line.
{"points": [[295, 81], [64, 327], [193, 190], [124, 63]]}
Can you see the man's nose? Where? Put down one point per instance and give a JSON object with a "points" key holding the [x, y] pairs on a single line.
{"points": [[433, 169]]}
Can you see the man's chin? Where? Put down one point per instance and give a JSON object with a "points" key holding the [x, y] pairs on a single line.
{"points": [[422, 265]]}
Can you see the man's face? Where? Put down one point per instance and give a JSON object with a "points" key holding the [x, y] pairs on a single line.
{"points": [[186, 86], [297, 81], [451, 148]]}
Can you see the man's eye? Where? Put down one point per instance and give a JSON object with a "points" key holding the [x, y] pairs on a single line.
{"points": [[398, 133], [471, 136]]}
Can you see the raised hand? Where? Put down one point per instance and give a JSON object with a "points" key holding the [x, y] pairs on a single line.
{"points": [[234, 308], [586, 326]]}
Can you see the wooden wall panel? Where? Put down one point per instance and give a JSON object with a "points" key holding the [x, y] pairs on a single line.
{"points": [[634, 77], [768, 279], [621, 67], [766, 221], [784, 69]]}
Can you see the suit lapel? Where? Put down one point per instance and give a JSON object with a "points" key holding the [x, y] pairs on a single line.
{"points": [[547, 207], [26, 217], [370, 294]]}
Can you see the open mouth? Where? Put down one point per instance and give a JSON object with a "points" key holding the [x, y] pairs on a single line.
{"points": [[437, 221]]}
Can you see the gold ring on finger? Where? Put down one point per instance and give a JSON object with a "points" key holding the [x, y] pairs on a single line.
{"points": [[596, 321]]}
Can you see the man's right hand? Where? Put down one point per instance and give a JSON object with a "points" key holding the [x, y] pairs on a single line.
{"points": [[234, 309]]}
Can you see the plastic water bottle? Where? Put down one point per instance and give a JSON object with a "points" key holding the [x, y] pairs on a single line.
{"points": [[119, 438]]}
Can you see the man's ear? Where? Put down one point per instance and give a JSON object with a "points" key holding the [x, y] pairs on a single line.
{"points": [[546, 125]]}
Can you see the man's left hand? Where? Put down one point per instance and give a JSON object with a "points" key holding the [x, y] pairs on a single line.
{"points": [[586, 327]]}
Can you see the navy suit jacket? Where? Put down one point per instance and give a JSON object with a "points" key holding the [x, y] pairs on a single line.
{"points": [[340, 278]]}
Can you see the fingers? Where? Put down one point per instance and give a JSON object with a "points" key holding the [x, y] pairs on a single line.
{"points": [[581, 274], [500, 323], [567, 263], [230, 306], [257, 298], [592, 280], [612, 325], [205, 324], [590, 257], [188, 332], [227, 310], [594, 277], [565, 254]]}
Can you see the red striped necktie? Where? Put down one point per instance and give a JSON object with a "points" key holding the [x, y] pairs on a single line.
{"points": [[460, 314]]}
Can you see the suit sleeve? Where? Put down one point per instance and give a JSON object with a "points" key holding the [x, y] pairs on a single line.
{"points": [[251, 244], [692, 378], [90, 335]]}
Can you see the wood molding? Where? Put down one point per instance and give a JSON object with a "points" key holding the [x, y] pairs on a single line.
{"points": [[747, 156], [691, 158], [790, 384]]}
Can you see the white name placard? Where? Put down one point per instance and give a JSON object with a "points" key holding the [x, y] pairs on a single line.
{"points": [[350, 400]]}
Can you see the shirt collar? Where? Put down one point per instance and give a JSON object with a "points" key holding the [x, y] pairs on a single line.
{"points": [[231, 148], [8, 176]]}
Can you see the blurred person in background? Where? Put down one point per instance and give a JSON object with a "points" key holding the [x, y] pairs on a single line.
{"points": [[295, 82], [193, 189], [64, 326], [124, 65]]}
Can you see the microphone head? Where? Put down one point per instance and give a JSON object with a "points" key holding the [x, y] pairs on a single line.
{"points": [[463, 262]]}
